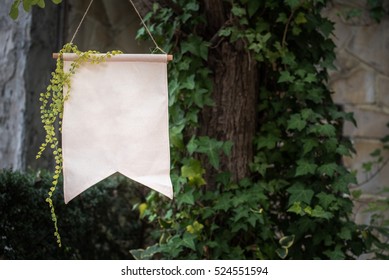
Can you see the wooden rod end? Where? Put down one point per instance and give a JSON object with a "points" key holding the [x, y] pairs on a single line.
{"points": [[169, 56]]}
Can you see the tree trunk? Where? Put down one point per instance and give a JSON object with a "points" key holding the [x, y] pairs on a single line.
{"points": [[234, 93], [233, 117], [235, 88]]}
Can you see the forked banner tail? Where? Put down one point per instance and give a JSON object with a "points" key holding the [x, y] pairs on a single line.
{"points": [[116, 120]]}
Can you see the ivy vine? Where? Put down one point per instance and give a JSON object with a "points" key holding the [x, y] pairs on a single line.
{"points": [[51, 109], [295, 203]]}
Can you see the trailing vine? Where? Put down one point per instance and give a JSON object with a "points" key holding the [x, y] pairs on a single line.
{"points": [[52, 106]]}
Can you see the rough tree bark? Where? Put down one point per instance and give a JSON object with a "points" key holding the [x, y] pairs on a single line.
{"points": [[235, 86], [234, 93]]}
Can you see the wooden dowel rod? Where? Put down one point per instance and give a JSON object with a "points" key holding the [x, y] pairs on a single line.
{"points": [[169, 56]]}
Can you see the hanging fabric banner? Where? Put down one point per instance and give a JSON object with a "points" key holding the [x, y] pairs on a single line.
{"points": [[116, 120]]}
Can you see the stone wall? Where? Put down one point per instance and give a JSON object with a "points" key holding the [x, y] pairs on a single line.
{"points": [[46, 38], [26, 47], [14, 45], [361, 85]]}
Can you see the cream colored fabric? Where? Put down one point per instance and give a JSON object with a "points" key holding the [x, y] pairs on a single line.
{"points": [[116, 120]]}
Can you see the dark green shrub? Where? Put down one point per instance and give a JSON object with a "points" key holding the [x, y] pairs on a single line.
{"points": [[99, 224]]}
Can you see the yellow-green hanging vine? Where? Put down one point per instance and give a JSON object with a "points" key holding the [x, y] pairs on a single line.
{"points": [[52, 111]]}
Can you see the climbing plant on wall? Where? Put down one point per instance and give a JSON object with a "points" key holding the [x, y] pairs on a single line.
{"points": [[294, 202]]}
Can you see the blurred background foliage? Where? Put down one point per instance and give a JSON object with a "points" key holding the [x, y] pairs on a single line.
{"points": [[100, 224]]}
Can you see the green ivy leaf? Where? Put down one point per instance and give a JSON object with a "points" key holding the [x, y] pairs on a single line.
{"points": [[325, 200], [343, 150], [293, 3], [145, 254], [226, 32], [326, 27], [27, 4], [318, 212], [376, 153], [305, 167], [192, 6], [345, 233], [176, 137], [324, 130], [238, 11], [300, 18], [328, 169], [269, 142], [189, 83], [252, 7], [315, 95], [187, 197], [192, 146], [336, 254], [286, 241], [227, 147], [310, 78], [285, 77], [282, 252], [309, 145], [342, 182], [309, 114], [282, 17], [296, 122], [211, 148], [224, 202], [194, 172], [296, 208], [188, 240], [299, 193], [14, 12], [195, 45], [41, 3], [356, 194]]}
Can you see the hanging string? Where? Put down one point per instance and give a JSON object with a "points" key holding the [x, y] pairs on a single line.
{"points": [[82, 20], [137, 12], [145, 26]]}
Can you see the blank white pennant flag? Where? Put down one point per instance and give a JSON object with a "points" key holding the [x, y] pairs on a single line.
{"points": [[116, 120]]}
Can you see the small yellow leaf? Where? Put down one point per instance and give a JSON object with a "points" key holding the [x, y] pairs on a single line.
{"points": [[142, 208]]}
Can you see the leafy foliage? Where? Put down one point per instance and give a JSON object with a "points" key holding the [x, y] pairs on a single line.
{"points": [[52, 111], [100, 224], [296, 202], [27, 4]]}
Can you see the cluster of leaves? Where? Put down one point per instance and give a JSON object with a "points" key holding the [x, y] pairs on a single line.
{"points": [[98, 225], [299, 144], [296, 203], [57, 92], [27, 4]]}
